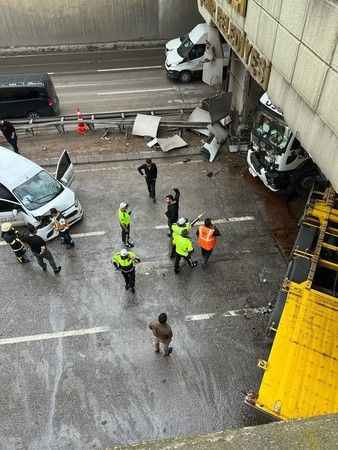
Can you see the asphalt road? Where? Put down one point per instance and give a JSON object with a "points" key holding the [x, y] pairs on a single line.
{"points": [[99, 81], [90, 379]]}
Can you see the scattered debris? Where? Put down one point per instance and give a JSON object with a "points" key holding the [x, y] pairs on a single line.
{"points": [[213, 174], [170, 143], [152, 142], [146, 125], [212, 148], [200, 115], [186, 160]]}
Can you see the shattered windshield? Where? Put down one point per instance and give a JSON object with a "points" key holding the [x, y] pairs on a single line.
{"points": [[185, 47], [38, 190], [271, 130]]}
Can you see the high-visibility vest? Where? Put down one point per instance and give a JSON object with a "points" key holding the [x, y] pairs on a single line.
{"points": [[125, 263], [183, 245], [206, 238], [124, 217], [177, 229]]}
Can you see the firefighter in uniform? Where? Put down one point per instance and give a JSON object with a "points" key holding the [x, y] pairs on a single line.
{"points": [[125, 261], [125, 220], [60, 225], [12, 237], [184, 249], [177, 228], [206, 235]]}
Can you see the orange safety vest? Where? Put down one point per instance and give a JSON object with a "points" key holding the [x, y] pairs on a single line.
{"points": [[206, 238]]}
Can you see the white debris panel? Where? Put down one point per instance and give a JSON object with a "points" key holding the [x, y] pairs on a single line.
{"points": [[170, 143], [200, 115], [146, 125]]}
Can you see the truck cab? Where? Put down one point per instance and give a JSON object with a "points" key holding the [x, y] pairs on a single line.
{"points": [[275, 155]]}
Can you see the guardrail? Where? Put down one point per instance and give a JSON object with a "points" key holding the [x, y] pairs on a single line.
{"points": [[123, 120]]}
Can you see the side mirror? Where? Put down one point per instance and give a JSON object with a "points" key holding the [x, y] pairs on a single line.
{"points": [[15, 212]]}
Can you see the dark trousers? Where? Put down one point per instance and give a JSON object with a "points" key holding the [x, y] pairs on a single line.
{"points": [[125, 234], [48, 256], [14, 143], [178, 259], [66, 238], [129, 278], [206, 255], [151, 186]]}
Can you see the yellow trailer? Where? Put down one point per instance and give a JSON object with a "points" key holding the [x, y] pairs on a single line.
{"points": [[301, 375]]}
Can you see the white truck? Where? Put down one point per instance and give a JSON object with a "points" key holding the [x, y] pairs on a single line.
{"points": [[275, 154], [186, 55]]}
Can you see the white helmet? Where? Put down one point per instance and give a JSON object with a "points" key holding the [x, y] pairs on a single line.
{"points": [[6, 227], [124, 252], [182, 221], [123, 205]]}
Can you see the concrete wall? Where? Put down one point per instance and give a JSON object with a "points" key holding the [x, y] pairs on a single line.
{"points": [[299, 38], [57, 22]]}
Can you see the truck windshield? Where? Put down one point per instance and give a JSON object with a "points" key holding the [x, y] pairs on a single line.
{"points": [[271, 130], [185, 47], [38, 190]]}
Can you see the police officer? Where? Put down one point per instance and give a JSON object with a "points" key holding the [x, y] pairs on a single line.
{"points": [[177, 228], [206, 235], [125, 261], [125, 220], [184, 249], [172, 208], [149, 171], [60, 225], [11, 236]]}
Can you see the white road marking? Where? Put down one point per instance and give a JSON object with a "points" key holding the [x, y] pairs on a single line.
{"points": [[122, 69], [56, 335], [231, 313], [136, 91], [59, 86], [217, 221], [90, 234]]}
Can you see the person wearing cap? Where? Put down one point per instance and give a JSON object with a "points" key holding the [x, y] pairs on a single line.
{"points": [[184, 249], [125, 220], [8, 130], [11, 236], [173, 204], [61, 226], [39, 249], [125, 261], [149, 171], [162, 333], [177, 228], [206, 239]]}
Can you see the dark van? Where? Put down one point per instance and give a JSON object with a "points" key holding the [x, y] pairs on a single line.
{"points": [[27, 95]]}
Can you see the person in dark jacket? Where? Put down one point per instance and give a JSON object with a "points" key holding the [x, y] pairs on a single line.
{"points": [[12, 237], [149, 171], [39, 249], [8, 130], [172, 208]]}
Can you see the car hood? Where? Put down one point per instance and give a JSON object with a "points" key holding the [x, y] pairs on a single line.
{"points": [[61, 202], [173, 44], [173, 58]]}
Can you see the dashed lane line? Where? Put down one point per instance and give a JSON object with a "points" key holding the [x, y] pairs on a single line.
{"points": [[245, 312], [136, 91], [125, 69], [56, 335]]}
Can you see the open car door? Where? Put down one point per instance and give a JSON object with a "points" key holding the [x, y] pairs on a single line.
{"points": [[65, 169]]}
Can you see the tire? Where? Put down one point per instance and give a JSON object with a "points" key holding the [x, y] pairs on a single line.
{"points": [[33, 115], [185, 76]]}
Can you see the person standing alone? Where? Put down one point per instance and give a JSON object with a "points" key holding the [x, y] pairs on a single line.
{"points": [[8, 130], [125, 220], [162, 333], [125, 261], [149, 171]]}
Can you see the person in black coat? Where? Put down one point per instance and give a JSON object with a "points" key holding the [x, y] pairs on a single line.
{"points": [[173, 204], [8, 130], [149, 171]]}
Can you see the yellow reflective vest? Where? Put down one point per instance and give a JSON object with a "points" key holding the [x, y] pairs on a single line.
{"points": [[183, 245], [124, 217]]}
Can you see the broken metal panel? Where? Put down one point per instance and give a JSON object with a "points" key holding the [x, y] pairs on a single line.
{"points": [[219, 132], [171, 142], [199, 115], [218, 106], [212, 149], [146, 125]]}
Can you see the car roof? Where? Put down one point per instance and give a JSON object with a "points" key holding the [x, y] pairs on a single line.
{"points": [[15, 169], [198, 31], [24, 80]]}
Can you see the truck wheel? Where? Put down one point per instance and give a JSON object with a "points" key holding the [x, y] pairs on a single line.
{"points": [[32, 115], [185, 77]]}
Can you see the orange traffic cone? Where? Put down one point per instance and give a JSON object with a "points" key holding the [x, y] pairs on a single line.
{"points": [[82, 127]]}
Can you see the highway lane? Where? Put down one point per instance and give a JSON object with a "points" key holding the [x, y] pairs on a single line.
{"points": [[99, 81]]}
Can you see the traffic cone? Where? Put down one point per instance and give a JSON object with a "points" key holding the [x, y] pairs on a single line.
{"points": [[82, 127]]}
